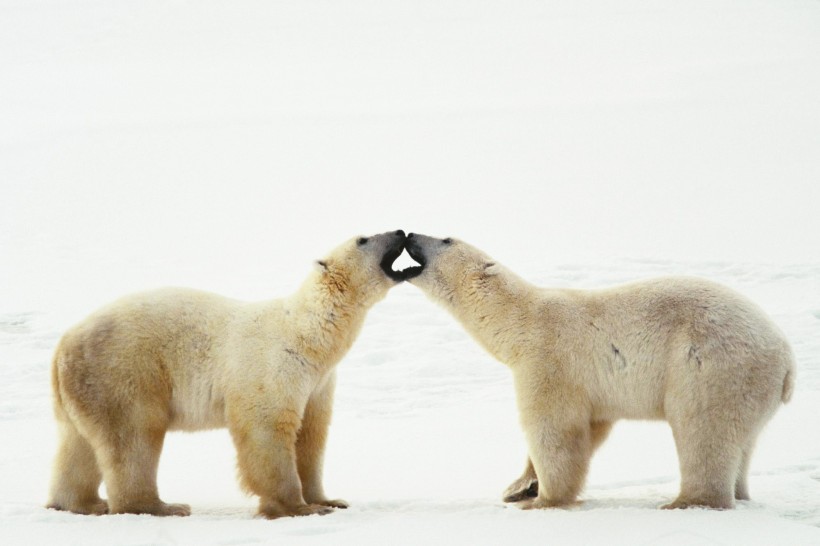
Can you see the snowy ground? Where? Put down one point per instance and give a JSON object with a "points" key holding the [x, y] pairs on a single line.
{"points": [[224, 145]]}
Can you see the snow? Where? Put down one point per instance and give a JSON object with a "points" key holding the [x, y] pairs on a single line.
{"points": [[583, 143]]}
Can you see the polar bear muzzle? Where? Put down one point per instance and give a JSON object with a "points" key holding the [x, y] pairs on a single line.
{"points": [[394, 250], [416, 250]]}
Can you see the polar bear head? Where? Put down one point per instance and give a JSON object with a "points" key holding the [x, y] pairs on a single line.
{"points": [[449, 269], [361, 267]]}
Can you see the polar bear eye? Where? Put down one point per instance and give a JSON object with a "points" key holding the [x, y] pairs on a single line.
{"points": [[361, 241], [447, 241]]}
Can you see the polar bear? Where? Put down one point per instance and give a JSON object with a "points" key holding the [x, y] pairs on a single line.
{"points": [[178, 359], [684, 350]]}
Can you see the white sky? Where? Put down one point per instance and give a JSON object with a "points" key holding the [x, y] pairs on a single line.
{"points": [[169, 143]]}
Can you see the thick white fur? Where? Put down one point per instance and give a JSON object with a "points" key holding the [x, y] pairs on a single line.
{"points": [[684, 350], [179, 359]]}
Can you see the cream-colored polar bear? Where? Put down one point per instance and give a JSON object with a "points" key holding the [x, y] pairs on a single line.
{"points": [[685, 350], [179, 359]]}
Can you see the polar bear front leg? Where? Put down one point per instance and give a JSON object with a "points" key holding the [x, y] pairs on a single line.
{"points": [[265, 440], [526, 486], [556, 419], [310, 444], [560, 454]]}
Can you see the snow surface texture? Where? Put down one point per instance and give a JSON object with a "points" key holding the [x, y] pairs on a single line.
{"points": [[224, 145]]}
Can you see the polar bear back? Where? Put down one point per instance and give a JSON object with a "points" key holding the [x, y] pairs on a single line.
{"points": [[631, 343], [173, 343]]}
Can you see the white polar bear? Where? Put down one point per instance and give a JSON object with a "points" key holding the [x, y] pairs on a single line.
{"points": [[684, 350], [179, 359]]}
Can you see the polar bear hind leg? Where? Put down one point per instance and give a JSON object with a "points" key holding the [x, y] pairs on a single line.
{"points": [[130, 460], [742, 481], [76, 478], [716, 414], [709, 466], [126, 436]]}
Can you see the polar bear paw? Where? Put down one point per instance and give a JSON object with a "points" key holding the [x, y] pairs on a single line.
{"points": [[278, 511], [334, 503], [521, 489]]}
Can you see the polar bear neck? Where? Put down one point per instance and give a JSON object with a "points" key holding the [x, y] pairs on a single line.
{"points": [[330, 319], [495, 309]]}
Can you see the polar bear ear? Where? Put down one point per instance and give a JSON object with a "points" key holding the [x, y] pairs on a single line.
{"points": [[490, 269], [320, 266]]}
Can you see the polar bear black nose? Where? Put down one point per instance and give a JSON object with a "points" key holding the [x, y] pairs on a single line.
{"points": [[400, 233], [411, 235]]}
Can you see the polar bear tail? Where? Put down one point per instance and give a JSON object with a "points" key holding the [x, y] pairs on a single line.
{"points": [[788, 386], [57, 399]]}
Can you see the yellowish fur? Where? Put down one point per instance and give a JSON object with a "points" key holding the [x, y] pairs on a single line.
{"points": [[684, 350], [179, 359]]}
